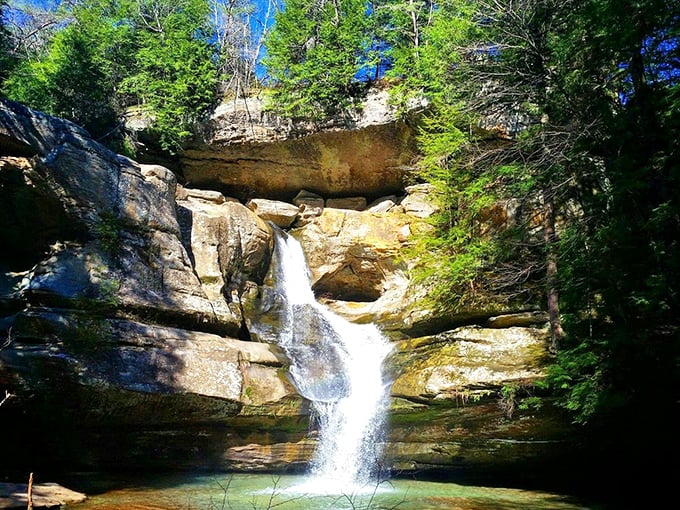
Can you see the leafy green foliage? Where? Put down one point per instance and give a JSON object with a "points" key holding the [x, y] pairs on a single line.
{"points": [[6, 58], [454, 260], [113, 54], [424, 44], [315, 54], [518, 395], [592, 87], [578, 376], [620, 262], [109, 232], [462, 261], [174, 77], [67, 82]]}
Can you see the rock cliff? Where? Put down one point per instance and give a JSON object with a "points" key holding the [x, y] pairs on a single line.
{"points": [[246, 152], [139, 316]]}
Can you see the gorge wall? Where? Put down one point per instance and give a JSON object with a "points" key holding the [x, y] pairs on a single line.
{"points": [[138, 315]]}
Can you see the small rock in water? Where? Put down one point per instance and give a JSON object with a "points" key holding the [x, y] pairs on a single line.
{"points": [[43, 495]]}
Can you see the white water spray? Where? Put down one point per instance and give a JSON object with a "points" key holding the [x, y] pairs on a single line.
{"points": [[337, 365]]}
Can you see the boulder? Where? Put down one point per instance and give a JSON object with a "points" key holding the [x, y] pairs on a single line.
{"points": [[352, 255], [122, 300], [248, 120], [309, 200], [229, 246], [121, 242], [467, 399], [468, 360], [281, 214], [166, 397], [353, 203], [156, 361]]}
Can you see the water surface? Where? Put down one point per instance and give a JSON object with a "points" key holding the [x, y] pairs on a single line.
{"points": [[293, 492]]}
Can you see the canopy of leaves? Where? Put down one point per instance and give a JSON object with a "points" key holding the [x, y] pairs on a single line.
{"points": [[110, 54], [68, 82], [173, 76], [316, 54]]}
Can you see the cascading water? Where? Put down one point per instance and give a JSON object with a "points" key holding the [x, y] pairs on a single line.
{"points": [[337, 365]]}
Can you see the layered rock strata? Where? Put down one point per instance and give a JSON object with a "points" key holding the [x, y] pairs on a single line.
{"points": [[139, 317]]}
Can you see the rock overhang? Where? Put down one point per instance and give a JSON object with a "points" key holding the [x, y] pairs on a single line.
{"points": [[246, 151]]}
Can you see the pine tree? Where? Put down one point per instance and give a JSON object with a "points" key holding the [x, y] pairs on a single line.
{"points": [[111, 54], [174, 76], [316, 56], [67, 82]]}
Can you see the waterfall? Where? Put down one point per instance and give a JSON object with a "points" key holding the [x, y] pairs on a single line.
{"points": [[338, 366]]}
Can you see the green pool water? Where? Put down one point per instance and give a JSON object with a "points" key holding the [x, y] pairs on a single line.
{"points": [[292, 492]]}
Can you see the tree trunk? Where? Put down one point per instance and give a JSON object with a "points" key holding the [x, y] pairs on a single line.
{"points": [[552, 292]]}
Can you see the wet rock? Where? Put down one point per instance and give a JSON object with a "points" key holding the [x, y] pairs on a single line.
{"points": [[317, 357]]}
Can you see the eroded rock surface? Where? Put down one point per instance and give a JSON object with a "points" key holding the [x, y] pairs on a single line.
{"points": [[139, 317], [246, 152], [121, 304]]}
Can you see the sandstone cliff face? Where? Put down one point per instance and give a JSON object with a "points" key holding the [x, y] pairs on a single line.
{"points": [[246, 152], [143, 313]]}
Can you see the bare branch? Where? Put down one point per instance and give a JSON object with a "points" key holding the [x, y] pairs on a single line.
{"points": [[7, 396]]}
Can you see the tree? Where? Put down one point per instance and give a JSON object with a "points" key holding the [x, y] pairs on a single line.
{"points": [[67, 82], [76, 72], [240, 32], [458, 259], [32, 26], [5, 53], [568, 108], [174, 76], [108, 55], [317, 53], [401, 32], [625, 340], [484, 66]]}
